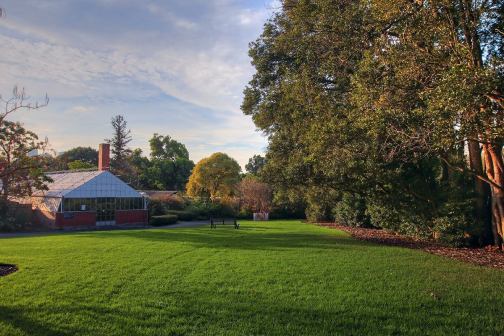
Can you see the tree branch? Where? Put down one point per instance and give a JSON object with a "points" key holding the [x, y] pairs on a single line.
{"points": [[478, 176]]}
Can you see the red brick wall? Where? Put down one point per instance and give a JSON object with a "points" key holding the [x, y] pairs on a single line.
{"points": [[88, 218], [76, 219], [131, 217]]}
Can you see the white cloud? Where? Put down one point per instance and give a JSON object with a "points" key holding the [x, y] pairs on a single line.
{"points": [[81, 109], [202, 62], [199, 78], [170, 16], [249, 17]]}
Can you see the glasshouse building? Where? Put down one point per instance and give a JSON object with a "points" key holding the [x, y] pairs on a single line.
{"points": [[89, 198]]}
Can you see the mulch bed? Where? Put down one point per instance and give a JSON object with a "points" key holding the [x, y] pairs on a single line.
{"points": [[490, 256], [6, 269]]}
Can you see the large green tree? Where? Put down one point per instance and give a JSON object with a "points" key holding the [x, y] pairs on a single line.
{"points": [[86, 155], [372, 104], [168, 167], [299, 96], [166, 148], [431, 84], [169, 174], [140, 166]]}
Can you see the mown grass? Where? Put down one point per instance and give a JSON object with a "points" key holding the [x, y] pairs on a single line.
{"points": [[275, 278]]}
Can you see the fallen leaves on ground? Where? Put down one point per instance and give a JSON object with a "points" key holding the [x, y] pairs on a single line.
{"points": [[488, 256]]}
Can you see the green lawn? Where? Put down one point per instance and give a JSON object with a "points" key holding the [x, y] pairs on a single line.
{"points": [[275, 278]]}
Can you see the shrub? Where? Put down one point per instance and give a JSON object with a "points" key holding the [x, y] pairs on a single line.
{"points": [[185, 215], [9, 224], [156, 207], [161, 204], [454, 226], [320, 202], [225, 210], [206, 209], [15, 217], [288, 204], [174, 202], [316, 213], [398, 218], [383, 217], [244, 214], [163, 220], [288, 213], [451, 230], [351, 211]]}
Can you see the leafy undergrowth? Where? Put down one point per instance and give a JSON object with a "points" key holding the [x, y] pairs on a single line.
{"points": [[274, 278]]}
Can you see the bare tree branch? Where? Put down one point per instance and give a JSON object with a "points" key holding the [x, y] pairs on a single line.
{"points": [[19, 100]]}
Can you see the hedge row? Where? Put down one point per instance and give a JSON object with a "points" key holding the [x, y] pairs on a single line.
{"points": [[163, 220], [184, 215]]}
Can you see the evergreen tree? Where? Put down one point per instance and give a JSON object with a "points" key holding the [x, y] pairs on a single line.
{"points": [[119, 145]]}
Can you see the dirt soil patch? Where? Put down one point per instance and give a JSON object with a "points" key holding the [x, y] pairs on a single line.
{"points": [[6, 269], [488, 256]]}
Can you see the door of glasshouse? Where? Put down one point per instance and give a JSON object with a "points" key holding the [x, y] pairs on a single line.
{"points": [[105, 211]]}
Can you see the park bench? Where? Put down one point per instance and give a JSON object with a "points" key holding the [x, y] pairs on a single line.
{"points": [[223, 221]]}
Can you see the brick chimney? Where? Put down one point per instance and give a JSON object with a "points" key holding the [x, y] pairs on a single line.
{"points": [[104, 157]]}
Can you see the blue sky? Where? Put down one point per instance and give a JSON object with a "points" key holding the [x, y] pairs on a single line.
{"points": [[174, 67]]}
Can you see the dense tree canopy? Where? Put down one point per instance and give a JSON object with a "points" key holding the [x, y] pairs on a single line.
{"points": [[169, 174], [168, 167], [79, 164], [214, 177], [87, 155], [166, 148], [371, 106], [255, 164]]}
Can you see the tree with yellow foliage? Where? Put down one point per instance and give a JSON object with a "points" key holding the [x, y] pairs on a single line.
{"points": [[214, 177]]}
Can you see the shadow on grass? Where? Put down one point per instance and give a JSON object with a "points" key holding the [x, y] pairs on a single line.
{"points": [[236, 314], [244, 239], [17, 319]]}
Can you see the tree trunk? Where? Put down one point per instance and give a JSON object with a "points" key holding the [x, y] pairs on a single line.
{"points": [[482, 193], [498, 215], [485, 198], [4, 196], [494, 169]]}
